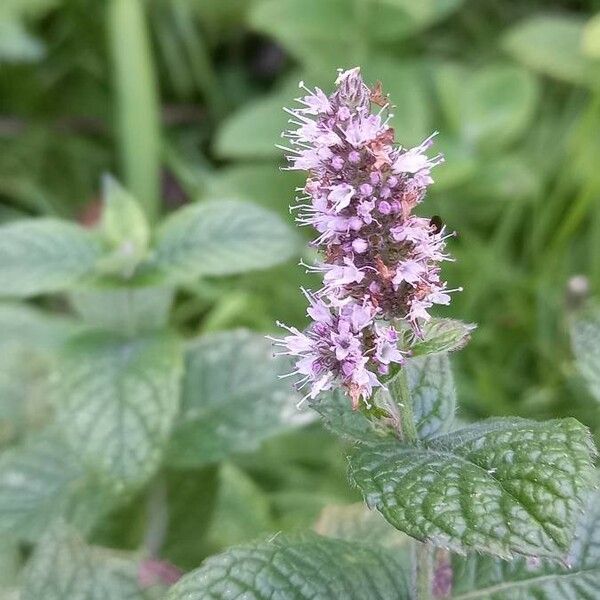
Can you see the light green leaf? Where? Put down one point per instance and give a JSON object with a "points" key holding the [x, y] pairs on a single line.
{"points": [[117, 399], [300, 568], [498, 103], [509, 177], [585, 339], [504, 486], [232, 398], [483, 578], [125, 228], [63, 567], [253, 131], [125, 309], [42, 480], [222, 238], [591, 37], [432, 392], [356, 522], [10, 563], [551, 45], [440, 335], [44, 255]]}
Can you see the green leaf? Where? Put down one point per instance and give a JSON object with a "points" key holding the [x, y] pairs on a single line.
{"points": [[432, 392], [308, 567], [242, 510], [125, 309], [222, 238], [29, 339], [232, 398], [124, 227], [10, 564], [591, 37], [585, 339], [42, 480], [504, 486], [551, 45], [44, 255], [62, 567], [440, 335], [191, 497], [498, 104], [356, 522], [477, 577], [117, 399]]}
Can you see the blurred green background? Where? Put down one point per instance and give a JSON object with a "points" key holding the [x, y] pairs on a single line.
{"points": [[182, 99]]}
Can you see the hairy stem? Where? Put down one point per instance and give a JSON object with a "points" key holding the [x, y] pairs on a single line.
{"points": [[398, 387]]}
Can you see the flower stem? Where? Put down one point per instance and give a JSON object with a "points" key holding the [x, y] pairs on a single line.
{"points": [[422, 558], [398, 388]]}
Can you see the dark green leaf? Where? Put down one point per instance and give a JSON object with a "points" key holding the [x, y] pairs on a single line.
{"points": [[503, 486], [483, 578], [301, 568]]}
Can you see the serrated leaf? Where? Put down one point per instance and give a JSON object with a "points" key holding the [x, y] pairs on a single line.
{"points": [[501, 487], [64, 567], [356, 522], [232, 398], [222, 238], [125, 309], [551, 45], [442, 335], [432, 392], [42, 480], [483, 578], [44, 255], [585, 339], [300, 568], [117, 399]]}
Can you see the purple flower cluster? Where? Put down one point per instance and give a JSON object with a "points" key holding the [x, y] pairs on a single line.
{"points": [[380, 261]]}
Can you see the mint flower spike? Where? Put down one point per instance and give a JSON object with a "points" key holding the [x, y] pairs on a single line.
{"points": [[380, 263]]}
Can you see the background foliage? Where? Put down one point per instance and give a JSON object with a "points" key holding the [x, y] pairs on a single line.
{"points": [[181, 101]]}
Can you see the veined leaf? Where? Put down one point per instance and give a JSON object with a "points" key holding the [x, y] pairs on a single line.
{"points": [[301, 568], [117, 399], [232, 399], [432, 391], [585, 339], [42, 481], [64, 567], [483, 578], [503, 486], [441, 335], [222, 238], [44, 255]]}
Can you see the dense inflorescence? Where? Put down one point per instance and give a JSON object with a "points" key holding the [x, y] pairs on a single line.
{"points": [[380, 262]]}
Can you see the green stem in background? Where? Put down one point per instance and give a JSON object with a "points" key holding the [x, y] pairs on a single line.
{"points": [[422, 555], [137, 102]]}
